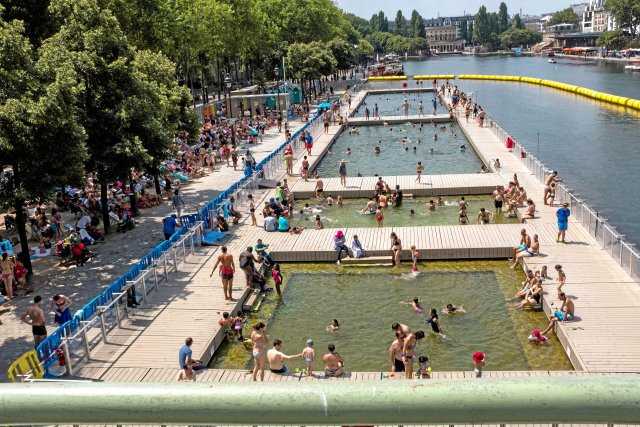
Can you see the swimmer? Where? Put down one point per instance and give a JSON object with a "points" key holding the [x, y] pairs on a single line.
{"points": [[376, 150], [419, 142], [440, 202], [339, 201], [406, 148], [385, 124], [435, 137], [431, 206], [463, 147], [319, 224], [330, 200], [334, 326], [536, 338], [402, 328], [415, 149], [349, 151], [436, 327], [412, 213], [450, 309], [415, 304], [431, 151]]}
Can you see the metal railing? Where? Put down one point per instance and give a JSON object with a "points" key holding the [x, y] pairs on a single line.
{"points": [[90, 326], [608, 238], [566, 399]]}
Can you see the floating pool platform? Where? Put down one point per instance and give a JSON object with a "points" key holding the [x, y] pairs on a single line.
{"points": [[431, 185]]}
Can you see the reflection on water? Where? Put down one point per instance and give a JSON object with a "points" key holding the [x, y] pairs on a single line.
{"points": [[350, 213], [595, 146], [366, 300]]}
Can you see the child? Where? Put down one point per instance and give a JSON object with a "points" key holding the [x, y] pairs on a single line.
{"points": [[537, 338], [308, 353], [252, 210], [379, 218], [339, 200], [450, 309], [277, 278], [330, 200], [225, 324], [319, 224], [238, 324], [561, 279], [478, 360], [415, 255], [416, 306], [424, 371], [334, 326]]}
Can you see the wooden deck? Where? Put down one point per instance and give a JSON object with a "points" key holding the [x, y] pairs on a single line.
{"points": [[398, 120], [431, 185], [604, 336]]}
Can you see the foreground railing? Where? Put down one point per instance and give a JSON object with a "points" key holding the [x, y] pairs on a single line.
{"points": [[603, 399], [605, 234]]}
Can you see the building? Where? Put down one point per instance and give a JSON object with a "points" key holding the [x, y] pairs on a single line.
{"points": [[596, 19], [454, 21], [551, 34], [444, 38], [532, 23]]}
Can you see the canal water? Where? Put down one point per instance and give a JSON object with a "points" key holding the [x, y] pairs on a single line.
{"points": [[594, 146]]}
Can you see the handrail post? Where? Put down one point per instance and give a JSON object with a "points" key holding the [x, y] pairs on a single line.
{"points": [[103, 328], [117, 307], [67, 356], [87, 348], [175, 257]]}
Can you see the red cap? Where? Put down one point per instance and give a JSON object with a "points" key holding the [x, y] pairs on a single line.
{"points": [[478, 357]]}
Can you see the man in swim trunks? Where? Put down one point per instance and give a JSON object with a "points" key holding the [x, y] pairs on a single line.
{"points": [[371, 206], [226, 323], [402, 328], [333, 362], [553, 177], [566, 313], [227, 268], [319, 187], [395, 353], [498, 195], [36, 320], [276, 357]]}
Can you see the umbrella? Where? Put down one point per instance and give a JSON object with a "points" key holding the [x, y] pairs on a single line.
{"points": [[324, 105]]}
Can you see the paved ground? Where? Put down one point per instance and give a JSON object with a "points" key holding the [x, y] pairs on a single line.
{"points": [[116, 255]]}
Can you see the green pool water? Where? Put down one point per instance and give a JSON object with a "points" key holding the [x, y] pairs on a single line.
{"points": [[367, 300], [346, 215], [398, 158], [390, 104]]}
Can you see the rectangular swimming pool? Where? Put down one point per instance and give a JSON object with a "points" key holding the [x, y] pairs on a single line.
{"points": [[350, 215], [390, 104], [367, 300], [401, 148]]}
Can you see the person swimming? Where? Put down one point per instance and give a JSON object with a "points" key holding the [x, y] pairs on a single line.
{"points": [[412, 212], [435, 323], [334, 326], [417, 307], [450, 309]]}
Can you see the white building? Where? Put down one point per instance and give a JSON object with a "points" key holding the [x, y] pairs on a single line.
{"points": [[595, 19]]}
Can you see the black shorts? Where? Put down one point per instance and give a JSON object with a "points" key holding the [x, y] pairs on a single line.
{"points": [[319, 190], [39, 330], [497, 204], [399, 364]]}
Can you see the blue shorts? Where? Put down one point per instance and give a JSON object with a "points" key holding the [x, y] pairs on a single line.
{"points": [[563, 226], [560, 316]]}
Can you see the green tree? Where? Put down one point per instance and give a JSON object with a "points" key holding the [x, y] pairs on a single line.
{"points": [[517, 22], [38, 22], [417, 25], [626, 13], [615, 40], [384, 22], [41, 141], [503, 18], [343, 52], [464, 34], [564, 16], [310, 61], [400, 24], [482, 26], [516, 37]]}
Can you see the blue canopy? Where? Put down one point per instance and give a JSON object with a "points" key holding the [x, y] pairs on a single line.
{"points": [[324, 105]]}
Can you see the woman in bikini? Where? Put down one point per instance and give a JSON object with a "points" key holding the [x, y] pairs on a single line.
{"points": [[408, 351], [259, 340], [7, 264], [532, 250], [252, 210], [396, 249]]}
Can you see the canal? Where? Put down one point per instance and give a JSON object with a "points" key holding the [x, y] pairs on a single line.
{"points": [[594, 146]]}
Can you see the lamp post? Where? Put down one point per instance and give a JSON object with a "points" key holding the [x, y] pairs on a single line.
{"points": [[276, 71], [228, 82]]}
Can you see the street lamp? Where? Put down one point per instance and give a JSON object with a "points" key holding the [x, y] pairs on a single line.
{"points": [[276, 71], [228, 82]]}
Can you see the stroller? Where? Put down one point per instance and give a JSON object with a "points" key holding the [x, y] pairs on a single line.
{"points": [[126, 222], [258, 281], [81, 254]]}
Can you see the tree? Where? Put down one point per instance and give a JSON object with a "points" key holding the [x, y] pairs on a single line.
{"points": [[343, 52], [38, 22], [503, 18], [626, 13], [41, 141], [400, 24], [516, 37], [482, 26], [564, 16], [615, 40], [384, 22], [417, 25], [310, 61], [517, 22]]}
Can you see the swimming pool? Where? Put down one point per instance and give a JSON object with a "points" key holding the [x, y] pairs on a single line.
{"points": [[391, 104], [366, 300], [400, 158], [349, 214]]}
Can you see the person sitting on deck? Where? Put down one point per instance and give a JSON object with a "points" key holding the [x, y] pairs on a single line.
{"points": [[185, 356], [533, 250], [333, 362], [566, 313], [356, 247], [276, 358]]}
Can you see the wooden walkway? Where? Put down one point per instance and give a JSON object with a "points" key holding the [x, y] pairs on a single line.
{"points": [[604, 336], [398, 120], [432, 185]]}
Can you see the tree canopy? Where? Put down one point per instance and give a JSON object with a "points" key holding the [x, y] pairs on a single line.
{"points": [[564, 16], [626, 13]]}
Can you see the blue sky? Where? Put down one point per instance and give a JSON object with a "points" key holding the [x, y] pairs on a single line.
{"points": [[430, 8]]}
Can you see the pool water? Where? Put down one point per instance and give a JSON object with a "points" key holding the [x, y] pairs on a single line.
{"points": [[367, 300], [349, 214], [398, 158], [391, 104]]}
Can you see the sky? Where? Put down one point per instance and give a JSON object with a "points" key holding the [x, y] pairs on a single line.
{"points": [[431, 8]]}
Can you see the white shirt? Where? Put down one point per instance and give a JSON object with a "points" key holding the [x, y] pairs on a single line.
{"points": [[83, 222], [270, 223]]}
